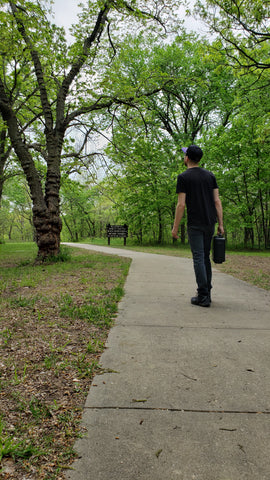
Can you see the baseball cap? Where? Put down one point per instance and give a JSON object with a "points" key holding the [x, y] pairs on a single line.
{"points": [[194, 152]]}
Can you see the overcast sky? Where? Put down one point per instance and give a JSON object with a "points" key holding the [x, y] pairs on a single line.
{"points": [[65, 12]]}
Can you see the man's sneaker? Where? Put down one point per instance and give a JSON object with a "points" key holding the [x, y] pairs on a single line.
{"points": [[201, 301]]}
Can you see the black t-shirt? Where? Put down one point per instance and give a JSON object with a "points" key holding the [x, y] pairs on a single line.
{"points": [[198, 185]]}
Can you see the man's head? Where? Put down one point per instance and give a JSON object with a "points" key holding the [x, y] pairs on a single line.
{"points": [[193, 152]]}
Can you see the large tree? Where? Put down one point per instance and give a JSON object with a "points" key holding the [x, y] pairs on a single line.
{"points": [[199, 93], [66, 83], [240, 155], [196, 92]]}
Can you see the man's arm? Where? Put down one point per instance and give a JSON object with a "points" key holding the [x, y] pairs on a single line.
{"points": [[219, 210], [179, 212]]}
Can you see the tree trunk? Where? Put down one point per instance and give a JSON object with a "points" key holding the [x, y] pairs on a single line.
{"points": [[1, 184], [248, 235], [48, 227], [267, 238], [46, 218], [10, 231], [46, 212], [160, 228], [3, 159]]}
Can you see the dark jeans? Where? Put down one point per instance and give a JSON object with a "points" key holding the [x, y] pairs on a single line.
{"points": [[200, 238]]}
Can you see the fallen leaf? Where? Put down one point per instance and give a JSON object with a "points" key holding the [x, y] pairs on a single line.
{"points": [[158, 452]]}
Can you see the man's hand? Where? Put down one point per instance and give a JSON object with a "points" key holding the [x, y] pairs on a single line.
{"points": [[220, 230], [175, 233]]}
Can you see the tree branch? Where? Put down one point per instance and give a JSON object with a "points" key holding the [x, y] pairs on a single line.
{"points": [[37, 66], [20, 148], [76, 67]]}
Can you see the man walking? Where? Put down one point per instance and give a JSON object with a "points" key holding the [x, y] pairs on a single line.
{"points": [[197, 188]]}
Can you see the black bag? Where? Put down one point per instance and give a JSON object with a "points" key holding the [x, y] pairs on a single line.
{"points": [[218, 249]]}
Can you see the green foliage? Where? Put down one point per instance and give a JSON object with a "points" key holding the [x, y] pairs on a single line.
{"points": [[10, 447], [194, 94], [50, 92], [147, 98], [243, 29], [79, 209], [240, 157], [16, 211]]}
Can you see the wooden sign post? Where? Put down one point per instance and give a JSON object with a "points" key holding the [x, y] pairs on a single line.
{"points": [[117, 231]]}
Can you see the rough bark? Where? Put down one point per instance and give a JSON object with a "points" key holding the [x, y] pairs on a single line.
{"points": [[46, 214], [3, 159]]}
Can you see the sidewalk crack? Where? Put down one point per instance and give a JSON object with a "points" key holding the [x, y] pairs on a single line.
{"points": [[180, 410]]}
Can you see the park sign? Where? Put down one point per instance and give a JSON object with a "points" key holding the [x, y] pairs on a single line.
{"points": [[117, 231]]}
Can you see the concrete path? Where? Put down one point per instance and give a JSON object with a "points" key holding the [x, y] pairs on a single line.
{"points": [[185, 393]]}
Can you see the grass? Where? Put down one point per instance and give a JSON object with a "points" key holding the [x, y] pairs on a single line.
{"points": [[10, 447], [55, 319]]}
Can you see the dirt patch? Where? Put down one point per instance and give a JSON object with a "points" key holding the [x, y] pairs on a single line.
{"points": [[51, 337], [251, 269]]}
